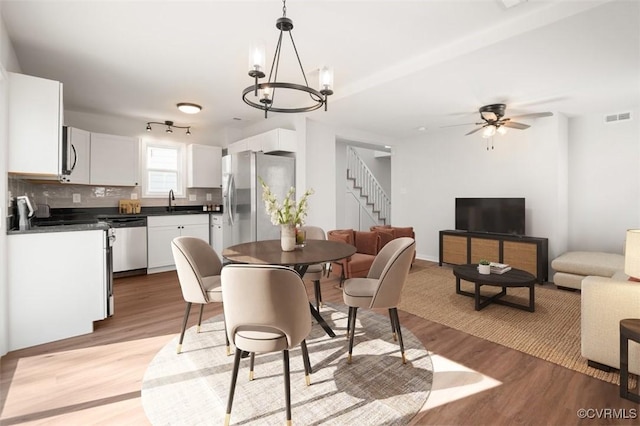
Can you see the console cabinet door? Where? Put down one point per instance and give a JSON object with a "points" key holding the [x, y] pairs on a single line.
{"points": [[521, 256], [454, 250], [114, 160]]}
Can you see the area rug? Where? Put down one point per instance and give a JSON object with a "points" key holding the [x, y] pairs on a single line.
{"points": [[191, 388], [551, 333]]}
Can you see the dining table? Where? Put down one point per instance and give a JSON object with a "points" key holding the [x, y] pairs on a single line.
{"points": [[269, 252]]}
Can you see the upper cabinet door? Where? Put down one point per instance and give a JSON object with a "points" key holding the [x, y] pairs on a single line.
{"points": [[114, 160], [204, 166], [35, 125]]}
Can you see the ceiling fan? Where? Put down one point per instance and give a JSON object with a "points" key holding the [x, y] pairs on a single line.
{"points": [[495, 121]]}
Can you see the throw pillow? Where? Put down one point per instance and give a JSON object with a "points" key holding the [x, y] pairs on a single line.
{"points": [[343, 238], [386, 235], [404, 232], [367, 242]]}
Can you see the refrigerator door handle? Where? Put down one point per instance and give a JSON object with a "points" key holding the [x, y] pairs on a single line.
{"points": [[232, 199]]}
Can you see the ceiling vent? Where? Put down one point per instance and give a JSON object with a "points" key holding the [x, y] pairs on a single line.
{"points": [[623, 116]]}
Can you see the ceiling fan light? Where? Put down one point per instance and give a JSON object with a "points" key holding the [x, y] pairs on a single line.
{"points": [[489, 131], [502, 130]]}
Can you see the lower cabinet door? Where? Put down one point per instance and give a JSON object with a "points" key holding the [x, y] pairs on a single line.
{"points": [[159, 245]]}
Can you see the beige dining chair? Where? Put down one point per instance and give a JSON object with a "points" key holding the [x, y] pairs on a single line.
{"points": [[198, 267], [315, 272], [266, 310], [381, 288]]}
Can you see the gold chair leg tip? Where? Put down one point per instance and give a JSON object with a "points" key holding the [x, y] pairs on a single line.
{"points": [[227, 419], [179, 349], [307, 378], [198, 329], [288, 422], [349, 359], [228, 350], [250, 375]]}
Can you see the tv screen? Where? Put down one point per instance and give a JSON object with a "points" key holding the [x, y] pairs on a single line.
{"points": [[495, 215]]}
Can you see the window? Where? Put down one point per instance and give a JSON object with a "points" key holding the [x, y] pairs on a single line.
{"points": [[164, 168]]}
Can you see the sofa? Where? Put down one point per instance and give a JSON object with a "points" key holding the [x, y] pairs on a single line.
{"points": [[388, 233], [572, 267], [368, 244], [604, 302]]}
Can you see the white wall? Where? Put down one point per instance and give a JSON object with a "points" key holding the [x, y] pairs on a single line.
{"points": [[604, 181], [8, 62], [431, 170]]}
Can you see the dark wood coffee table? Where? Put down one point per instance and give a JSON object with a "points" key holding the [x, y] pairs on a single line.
{"points": [[512, 278]]}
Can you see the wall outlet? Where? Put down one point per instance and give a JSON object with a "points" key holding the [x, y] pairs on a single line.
{"points": [[209, 197], [76, 198], [192, 197], [134, 195]]}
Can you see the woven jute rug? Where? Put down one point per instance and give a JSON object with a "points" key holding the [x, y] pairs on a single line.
{"points": [[551, 333], [191, 388]]}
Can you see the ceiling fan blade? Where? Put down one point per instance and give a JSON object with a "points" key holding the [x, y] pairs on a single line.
{"points": [[463, 124], [533, 115], [474, 130], [489, 116], [515, 125]]}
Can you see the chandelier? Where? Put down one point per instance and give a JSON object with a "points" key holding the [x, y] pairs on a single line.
{"points": [[266, 92]]}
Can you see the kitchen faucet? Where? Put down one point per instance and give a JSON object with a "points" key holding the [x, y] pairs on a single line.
{"points": [[171, 197]]}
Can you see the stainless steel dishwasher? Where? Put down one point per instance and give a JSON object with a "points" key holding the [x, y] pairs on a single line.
{"points": [[130, 247]]}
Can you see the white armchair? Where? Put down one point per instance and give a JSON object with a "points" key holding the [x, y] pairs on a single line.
{"points": [[606, 301]]}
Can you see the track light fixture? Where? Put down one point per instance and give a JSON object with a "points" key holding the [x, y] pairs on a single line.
{"points": [[266, 92], [170, 126]]}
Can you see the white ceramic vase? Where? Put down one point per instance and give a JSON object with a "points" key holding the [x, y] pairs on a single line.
{"points": [[484, 269], [287, 237]]}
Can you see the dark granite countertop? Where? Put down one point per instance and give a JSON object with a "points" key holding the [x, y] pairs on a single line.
{"points": [[80, 219]]}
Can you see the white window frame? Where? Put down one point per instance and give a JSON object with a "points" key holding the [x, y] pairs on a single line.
{"points": [[181, 190]]}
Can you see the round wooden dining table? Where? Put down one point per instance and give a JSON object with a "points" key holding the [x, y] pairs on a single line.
{"points": [[269, 252]]}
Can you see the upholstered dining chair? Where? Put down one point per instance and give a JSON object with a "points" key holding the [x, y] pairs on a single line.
{"points": [[315, 272], [266, 310], [381, 288], [198, 267]]}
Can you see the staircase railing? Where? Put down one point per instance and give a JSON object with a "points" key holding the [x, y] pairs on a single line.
{"points": [[370, 188]]}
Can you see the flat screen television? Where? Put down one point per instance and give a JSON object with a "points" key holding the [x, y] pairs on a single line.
{"points": [[491, 215]]}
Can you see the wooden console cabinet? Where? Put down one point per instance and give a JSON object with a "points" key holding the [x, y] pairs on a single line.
{"points": [[530, 254]]}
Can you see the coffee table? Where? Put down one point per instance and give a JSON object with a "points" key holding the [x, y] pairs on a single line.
{"points": [[512, 278]]}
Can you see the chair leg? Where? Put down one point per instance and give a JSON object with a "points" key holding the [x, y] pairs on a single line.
{"points": [[226, 336], [184, 326], [287, 384], [200, 318], [393, 326], [352, 332], [397, 325], [252, 360], [305, 360], [316, 288], [349, 322], [232, 388]]}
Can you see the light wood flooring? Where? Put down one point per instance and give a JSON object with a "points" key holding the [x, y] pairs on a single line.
{"points": [[96, 379]]}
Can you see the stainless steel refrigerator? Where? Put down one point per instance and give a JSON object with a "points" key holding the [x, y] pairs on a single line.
{"points": [[244, 215]]}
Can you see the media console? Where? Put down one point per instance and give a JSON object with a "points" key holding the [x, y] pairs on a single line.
{"points": [[530, 254]]}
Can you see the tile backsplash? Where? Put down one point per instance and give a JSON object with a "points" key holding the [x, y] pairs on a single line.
{"points": [[58, 195]]}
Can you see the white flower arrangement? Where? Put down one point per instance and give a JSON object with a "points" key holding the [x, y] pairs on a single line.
{"points": [[289, 212]]}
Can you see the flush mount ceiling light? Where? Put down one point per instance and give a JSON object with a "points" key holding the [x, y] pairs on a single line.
{"points": [[268, 90], [169, 125], [189, 108]]}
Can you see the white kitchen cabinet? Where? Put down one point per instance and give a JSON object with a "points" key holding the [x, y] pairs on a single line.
{"points": [[279, 140], [57, 285], [35, 125], [114, 160], [276, 140], [77, 155], [161, 230], [204, 166]]}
